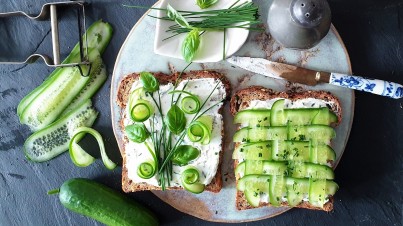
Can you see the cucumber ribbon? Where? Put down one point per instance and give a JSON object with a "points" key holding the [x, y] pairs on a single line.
{"points": [[190, 181], [80, 157], [200, 130]]}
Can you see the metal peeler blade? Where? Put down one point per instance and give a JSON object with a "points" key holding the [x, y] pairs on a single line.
{"points": [[49, 10]]}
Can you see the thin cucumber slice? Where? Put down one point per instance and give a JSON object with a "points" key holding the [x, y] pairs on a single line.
{"points": [[277, 189], [190, 182], [98, 36], [254, 182], [253, 151], [253, 117], [53, 99], [253, 197], [54, 139], [76, 153], [259, 134], [317, 133], [96, 81], [277, 116], [309, 170], [297, 189]]}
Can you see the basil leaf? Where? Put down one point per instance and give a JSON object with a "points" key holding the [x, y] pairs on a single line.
{"points": [[177, 17], [175, 120], [150, 83], [137, 132], [203, 4], [184, 154], [190, 45]]}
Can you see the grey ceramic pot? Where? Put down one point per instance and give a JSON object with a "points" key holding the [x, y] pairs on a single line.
{"points": [[299, 24]]}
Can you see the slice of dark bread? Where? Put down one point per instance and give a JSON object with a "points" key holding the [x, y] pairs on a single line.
{"points": [[242, 99], [123, 94]]}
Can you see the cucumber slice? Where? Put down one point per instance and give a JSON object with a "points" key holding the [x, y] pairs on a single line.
{"points": [[300, 116], [296, 190], [76, 153], [309, 170], [253, 117], [190, 182], [254, 182], [318, 133], [277, 116], [240, 170], [291, 151], [253, 151], [322, 154], [277, 190], [98, 36], [53, 99], [275, 168], [318, 192], [54, 139], [253, 197], [89, 90], [253, 167], [325, 117], [260, 134]]}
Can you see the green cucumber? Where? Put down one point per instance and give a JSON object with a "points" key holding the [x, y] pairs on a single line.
{"points": [[299, 151], [95, 200], [254, 182], [262, 167], [260, 134], [322, 154], [309, 170], [291, 150], [317, 133], [240, 170], [325, 117], [252, 197], [297, 189], [54, 139], [95, 82], [98, 36], [277, 116], [80, 157], [53, 99], [253, 117], [253, 151], [277, 190], [320, 190]]}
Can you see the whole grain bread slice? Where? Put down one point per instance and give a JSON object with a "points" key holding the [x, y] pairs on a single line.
{"points": [[125, 85], [242, 100]]}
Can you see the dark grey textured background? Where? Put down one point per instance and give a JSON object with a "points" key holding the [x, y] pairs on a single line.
{"points": [[369, 174]]}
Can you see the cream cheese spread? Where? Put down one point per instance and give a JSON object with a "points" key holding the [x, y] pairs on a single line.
{"points": [[207, 162]]}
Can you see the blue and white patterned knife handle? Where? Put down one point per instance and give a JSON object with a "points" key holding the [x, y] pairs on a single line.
{"points": [[375, 86]]}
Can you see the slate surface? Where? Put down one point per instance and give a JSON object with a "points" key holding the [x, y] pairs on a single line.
{"points": [[369, 174]]}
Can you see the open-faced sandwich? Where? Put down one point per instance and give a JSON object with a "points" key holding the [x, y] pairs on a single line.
{"points": [[282, 153], [173, 130]]}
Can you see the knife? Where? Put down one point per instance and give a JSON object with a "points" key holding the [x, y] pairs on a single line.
{"points": [[312, 77]]}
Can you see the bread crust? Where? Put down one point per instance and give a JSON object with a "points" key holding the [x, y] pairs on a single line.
{"points": [[122, 97], [242, 99]]}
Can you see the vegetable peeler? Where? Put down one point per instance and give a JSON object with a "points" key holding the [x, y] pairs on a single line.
{"points": [[49, 10]]}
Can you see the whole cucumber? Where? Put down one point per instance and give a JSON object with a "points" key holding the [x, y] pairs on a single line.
{"points": [[103, 204]]}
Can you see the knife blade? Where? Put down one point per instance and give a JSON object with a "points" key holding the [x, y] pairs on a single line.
{"points": [[311, 77]]}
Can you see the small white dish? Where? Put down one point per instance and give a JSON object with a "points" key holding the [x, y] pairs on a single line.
{"points": [[212, 43]]}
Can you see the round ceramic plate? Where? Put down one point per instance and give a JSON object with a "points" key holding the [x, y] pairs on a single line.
{"points": [[137, 55]]}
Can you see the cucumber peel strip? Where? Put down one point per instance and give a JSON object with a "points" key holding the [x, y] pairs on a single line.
{"points": [[98, 36], [190, 178], [80, 157]]}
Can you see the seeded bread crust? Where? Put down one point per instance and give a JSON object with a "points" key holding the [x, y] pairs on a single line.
{"points": [[123, 94], [241, 101]]}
